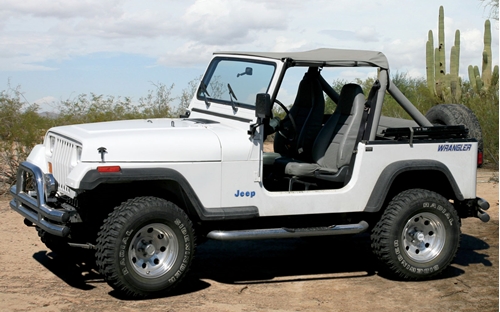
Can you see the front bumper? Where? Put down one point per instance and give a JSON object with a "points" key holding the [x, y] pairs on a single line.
{"points": [[31, 196]]}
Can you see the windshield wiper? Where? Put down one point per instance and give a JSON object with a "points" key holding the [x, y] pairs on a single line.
{"points": [[231, 95], [206, 96]]}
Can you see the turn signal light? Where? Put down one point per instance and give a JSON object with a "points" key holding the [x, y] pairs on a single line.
{"points": [[105, 169]]}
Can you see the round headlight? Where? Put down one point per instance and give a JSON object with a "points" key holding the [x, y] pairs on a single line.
{"points": [[50, 185]]}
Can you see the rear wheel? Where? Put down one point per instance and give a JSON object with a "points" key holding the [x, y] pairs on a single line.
{"points": [[145, 247], [418, 235]]}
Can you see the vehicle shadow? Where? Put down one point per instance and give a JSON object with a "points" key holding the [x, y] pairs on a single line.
{"points": [[467, 252], [282, 260], [285, 260], [267, 261], [75, 267]]}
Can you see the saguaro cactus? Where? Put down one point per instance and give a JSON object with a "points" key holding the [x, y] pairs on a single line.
{"points": [[455, 82], [429, 61], [440, 49], [484, 81], [444, 86]]}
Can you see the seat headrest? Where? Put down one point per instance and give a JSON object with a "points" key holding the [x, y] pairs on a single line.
{"points": [[347, 96], [309, 87]]}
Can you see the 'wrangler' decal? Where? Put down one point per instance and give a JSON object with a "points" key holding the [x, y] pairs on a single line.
{"points": [[454, 147]]}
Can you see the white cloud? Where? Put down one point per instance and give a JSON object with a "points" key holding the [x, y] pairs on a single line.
{"points": [[367, 34], [283, 43], [39, 35], [350, 75], [343, 35], [223, 22], [19, 65], [188, 54], [62, 8], [469, 46], [416, 73], [405, 54]]}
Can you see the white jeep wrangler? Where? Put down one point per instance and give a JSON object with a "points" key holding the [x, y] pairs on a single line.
{"points": [[140, 193]]}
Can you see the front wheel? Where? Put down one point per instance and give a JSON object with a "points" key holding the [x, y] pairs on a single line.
{"points": [[145, 247], [418, 235]]}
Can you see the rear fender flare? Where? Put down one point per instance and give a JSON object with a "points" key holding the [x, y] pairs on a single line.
{"points": [[391, 172]]}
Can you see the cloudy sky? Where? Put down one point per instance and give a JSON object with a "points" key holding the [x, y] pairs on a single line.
{"points": [[57, 49]]}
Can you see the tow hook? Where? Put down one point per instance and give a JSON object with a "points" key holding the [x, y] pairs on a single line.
{"points": [[482, 205]]}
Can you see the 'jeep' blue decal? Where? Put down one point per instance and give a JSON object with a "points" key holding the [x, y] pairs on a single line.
{"points": [[244, 194], [454, 147]]}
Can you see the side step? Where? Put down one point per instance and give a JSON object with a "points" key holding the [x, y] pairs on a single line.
{"points": [[288, 232]]}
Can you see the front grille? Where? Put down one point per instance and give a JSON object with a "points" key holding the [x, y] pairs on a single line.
{"points": [[64, 158]]}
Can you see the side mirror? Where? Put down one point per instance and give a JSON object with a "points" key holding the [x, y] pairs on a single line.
{"points": [[263, 106], [248, 71]]}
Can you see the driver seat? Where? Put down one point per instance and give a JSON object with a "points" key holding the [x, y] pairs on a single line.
{"points": [[334, 145], [307, 114]]}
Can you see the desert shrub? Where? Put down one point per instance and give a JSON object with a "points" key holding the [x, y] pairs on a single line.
{"points": [[21, 128], [88, 108], [158, 103], [185, 97], [95, 108], [485, 106]]}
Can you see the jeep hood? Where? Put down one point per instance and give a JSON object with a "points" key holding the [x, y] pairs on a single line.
{"points": [[158, 140]]}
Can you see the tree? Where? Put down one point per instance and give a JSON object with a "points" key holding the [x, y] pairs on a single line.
{"points": [[493, 4]]}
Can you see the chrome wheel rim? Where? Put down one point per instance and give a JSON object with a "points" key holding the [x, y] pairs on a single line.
{"points": [[424, 237], [153, 250]]}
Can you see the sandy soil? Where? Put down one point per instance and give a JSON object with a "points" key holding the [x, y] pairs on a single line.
{"points": [[271, 275]]}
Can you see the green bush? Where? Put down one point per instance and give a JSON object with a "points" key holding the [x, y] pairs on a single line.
{"points": [[485, 106], [21, 128], [95, 108]]}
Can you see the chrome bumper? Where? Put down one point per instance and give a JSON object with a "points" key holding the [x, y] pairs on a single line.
{"points": [[33, 205]]}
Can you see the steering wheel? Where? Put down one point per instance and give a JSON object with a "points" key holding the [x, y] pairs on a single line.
{"points": [[292, 121]]}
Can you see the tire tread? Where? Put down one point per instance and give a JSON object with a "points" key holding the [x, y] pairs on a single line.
{"points": [[109, 234], [380, 235]]}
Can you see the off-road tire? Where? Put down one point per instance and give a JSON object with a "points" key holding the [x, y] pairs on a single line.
{"points": [[457, 114], [417, 236], [145, 247]]}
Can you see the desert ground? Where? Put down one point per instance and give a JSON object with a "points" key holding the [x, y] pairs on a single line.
{"points": [[337, 274]]}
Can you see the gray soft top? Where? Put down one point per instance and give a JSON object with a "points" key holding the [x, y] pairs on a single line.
{"points": [[325, 57]]}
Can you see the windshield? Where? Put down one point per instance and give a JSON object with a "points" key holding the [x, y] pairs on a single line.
{"points": [[235, 81]]}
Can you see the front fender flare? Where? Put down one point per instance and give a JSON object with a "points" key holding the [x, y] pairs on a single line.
{"points": [[93, 178]]}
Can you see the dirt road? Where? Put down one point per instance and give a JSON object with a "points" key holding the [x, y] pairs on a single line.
{"points": [[272, 275]]}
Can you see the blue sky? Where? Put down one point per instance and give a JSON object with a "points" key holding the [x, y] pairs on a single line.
{"points": [[57, 49]]}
